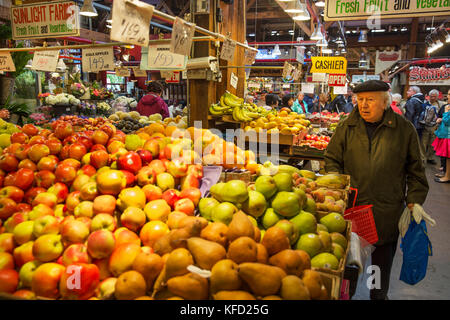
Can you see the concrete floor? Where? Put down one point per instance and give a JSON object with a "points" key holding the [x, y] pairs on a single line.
{"points": [[436, 284]]}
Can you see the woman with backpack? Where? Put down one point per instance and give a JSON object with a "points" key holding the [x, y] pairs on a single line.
{"points": [[442, 144]]}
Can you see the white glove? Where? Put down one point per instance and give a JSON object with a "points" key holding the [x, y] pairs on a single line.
{"points": [[418, 214]]}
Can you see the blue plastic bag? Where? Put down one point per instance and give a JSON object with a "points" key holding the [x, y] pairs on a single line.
{"points": [[416, 247]]}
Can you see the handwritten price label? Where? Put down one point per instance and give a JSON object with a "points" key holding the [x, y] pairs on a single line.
{"points": [[139, 73], [182, 34], [97, 59], [228, 50], [233, 80], [131, 21], [45, 60], [122, 72], [6, 62], [250, 56], [160, 58], [288, 69]]}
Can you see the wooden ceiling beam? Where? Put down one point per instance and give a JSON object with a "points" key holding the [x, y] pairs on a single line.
{"points": [[250, 3]]}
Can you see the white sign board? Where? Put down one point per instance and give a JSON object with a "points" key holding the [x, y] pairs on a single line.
{"points": [[6, 62], [160, 58], [45, 60], [233, 80], [319, 77], [182, 34], [308, 87], [340, 90], [97, 59]]}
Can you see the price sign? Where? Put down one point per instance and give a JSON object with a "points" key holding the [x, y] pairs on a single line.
{"points": [[122, 72], [182, 34], [6, 62], [228, 50], [308, 87], [233, 80], [340, 90], [131, 21], [288, 70], [97, 59], [139, 73], [45, 60], [160, 58], [337, 80], [249, 56], [319, 77]]}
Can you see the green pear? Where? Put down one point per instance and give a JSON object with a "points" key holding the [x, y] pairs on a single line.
{"points": [[326, 241], [234, 191], [266, 185], [309, 242], [337, 250], [286, 204], [310, 205], [205, 206], [290, 229], [216, 191], [270, 218], [302, 195], [305, 222], [223, 212], [339, 239], [283, 181], [255, 205], [334, 222], [325, 260], [321, 227]]}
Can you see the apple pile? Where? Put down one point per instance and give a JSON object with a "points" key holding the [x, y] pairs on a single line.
{"points": [[316, 141], [86, 124], [82, 204]]}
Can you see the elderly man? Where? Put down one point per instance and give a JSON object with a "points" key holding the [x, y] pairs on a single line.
{"points": [[379, 149]]}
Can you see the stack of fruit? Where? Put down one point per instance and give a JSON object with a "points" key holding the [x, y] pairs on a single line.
{"points": [[178, 121], [325, 117], [7, 127], [285, 216], [319, 142], [283, 122]]}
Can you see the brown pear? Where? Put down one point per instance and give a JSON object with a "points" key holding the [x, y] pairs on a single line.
{"points": [[190, 286], [261, 254], [306, 260], [177, 263], [272, 298], [164, 294], [243, 249], [217, 232], [263, 280], [313, 282], [149, 265], [324, 295], [293, 288], [275, 240], [225, 276], [206, 253], [189, 220], [233, 295], [162, 245], [240, 226], [257, 235], [288, 260]]}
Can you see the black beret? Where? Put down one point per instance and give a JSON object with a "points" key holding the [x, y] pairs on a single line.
{"points": [[371, 85]]}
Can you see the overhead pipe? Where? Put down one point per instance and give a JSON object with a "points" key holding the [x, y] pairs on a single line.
{"points": [[283, 43]]}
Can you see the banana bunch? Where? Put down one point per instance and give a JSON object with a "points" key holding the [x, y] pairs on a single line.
{"points": [[243, 114], [219, 110]]}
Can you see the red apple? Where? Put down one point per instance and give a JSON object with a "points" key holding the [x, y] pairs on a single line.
{"points": [[12, 192], [171, 196], [88, 170], [6, 260], [40, 210], [79, 281], [89, 191], [10, 179], [9, 279], [63, 130], [45, 225], [196, 170], [60, 190], [130, 177], [44, 179], [46, 278], [101, 244], [152, 145], [194, 194], [23, 207], [46, 198], [74, 231], [48, 247], [32, 193], [130, 161], [177, 168], [8, 162], [19, 137], [72, 200], [97, 147], [30, 130], [38, 151], [28, 164], [7, 242], [47, 163], [152, 192], [87, 142], [7, 208], [36, 140], [146, 156], [146, 176], [100, 137], [54, 145], [14, 220], [189, 181], [114, 146], [65, 173], [25, 294], [185, 205], [64, 153], [133, 218], [23, 254], [99, 158], [76, 253], [72, 162], [157, 166], [24, 178], [21, 153], [111, 182]]}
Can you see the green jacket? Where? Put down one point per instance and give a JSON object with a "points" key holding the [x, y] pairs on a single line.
{"points": [[382, 172]]}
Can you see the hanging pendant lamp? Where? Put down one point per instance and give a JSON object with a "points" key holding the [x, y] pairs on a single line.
{"points": [[317, 34], [88, 9]]}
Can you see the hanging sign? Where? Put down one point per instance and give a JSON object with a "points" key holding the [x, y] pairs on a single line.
{"points": [[361, 77], [228, 49], [97, 59], [182, 34], [45, 20], [288, 70], [160, 58], [340, 90], [385, 59], [131, 21], [429, 76], [122, 72], [233, 80], [45, 60], [300, 54], [139, 73], [319, 77], [337, 80], [6, 62], [336, 10], [173, 77], [250, 56], [328, 65], [308, 87]]}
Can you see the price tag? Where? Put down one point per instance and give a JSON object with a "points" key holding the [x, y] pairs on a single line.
{"points": [[228, 50], [286, 86], [6, 62], [319, 77], [122, 72], [182, 34], [233, 80], [288, 70], [249, 56], [308, 87], [97, 59], [131, 21], [340, 90], [297, 74], [45, 60], [160, 57], [139, 73]]}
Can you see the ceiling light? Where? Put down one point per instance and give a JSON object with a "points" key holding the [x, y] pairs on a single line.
{"points": [[109, 19], [339, 40], [317, 34], [343, 50], [251, 35], [29, 64], [439, 44], [327, 51], [337, 52], [404, 29], [294, 7], [61, 66], [363, 36], [322, 43], [320, 3], [303, 16], [348, 31], [88, 9], [447, 38], [276, 51]]}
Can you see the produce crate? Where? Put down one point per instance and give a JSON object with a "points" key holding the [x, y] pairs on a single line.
{"points": [[307, 151], [244, 176], [340, 271], [347, 183], [286, 139], [332, 283]]}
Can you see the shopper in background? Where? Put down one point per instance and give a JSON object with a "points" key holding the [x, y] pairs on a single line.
{"points": [[300, 106], [441, 112], [152, 102], [249, 99], [380, 151], [351, 104], [338, 104], [428, 120], [310, 99], [442, 143], [414, 107], [322, 104], [262, 99], [271, 102], [395, 104], [287, 101]]}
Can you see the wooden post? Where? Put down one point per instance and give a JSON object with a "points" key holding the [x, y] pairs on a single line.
{"points": [[411, 49]]}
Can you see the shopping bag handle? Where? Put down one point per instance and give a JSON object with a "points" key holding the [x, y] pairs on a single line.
{"points": [[356, 195]]}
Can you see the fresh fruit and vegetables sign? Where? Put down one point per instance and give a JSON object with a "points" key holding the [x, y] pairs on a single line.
{"points": [[45, 20]]}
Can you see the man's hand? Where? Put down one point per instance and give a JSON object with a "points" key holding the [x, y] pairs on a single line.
{"points": [[439, 120], [411, 206]]}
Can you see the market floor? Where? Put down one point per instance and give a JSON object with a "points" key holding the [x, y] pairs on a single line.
{"points": [[436, 285]]}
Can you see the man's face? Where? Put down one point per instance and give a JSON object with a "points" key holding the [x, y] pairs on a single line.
{"points": [[433, 98], [371, 105], [354, 99], [410, 92]]}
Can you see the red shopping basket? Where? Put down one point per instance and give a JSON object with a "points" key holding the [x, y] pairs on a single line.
{"points": [[362, 220]]}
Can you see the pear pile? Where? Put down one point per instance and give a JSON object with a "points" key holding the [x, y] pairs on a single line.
{"points": [[285, 215]]}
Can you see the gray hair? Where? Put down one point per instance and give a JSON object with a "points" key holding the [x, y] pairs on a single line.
{"points": [[416, 89], [434, 91], [397, 97], [387, 98]]}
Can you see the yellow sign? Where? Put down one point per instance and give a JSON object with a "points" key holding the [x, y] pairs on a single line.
{"points": [[329, 65]]}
